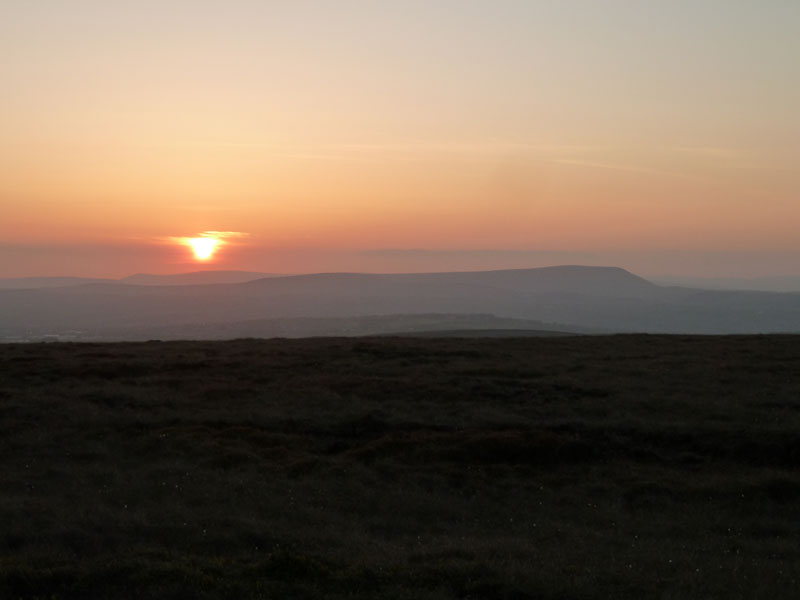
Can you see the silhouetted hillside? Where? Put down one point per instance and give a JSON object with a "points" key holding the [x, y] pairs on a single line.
{"points": [[596, 281], [602, 281]]}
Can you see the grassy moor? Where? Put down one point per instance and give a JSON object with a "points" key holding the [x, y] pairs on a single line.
{"points": [[630, 466]]}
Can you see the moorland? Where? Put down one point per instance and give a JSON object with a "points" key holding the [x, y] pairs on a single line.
{"points": [[583, 467]]}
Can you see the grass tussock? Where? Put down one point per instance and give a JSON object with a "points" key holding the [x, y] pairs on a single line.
{"points": [[660, 467]]}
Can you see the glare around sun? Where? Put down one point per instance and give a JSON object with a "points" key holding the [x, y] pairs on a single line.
{"points": [[203, 247]]}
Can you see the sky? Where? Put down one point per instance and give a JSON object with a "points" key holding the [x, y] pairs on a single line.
{"points": [[343, 135]]}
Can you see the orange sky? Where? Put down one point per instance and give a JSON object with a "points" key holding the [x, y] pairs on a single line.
{"points": [[661, 136]]}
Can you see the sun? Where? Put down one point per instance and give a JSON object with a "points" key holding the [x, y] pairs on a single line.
{"points": [[203, 247], [206, 244]]}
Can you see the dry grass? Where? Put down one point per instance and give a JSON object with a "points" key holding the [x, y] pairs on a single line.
{"points": [[595, 467]]}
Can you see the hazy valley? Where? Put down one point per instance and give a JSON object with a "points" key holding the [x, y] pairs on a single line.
{"points": [[234, 304]]}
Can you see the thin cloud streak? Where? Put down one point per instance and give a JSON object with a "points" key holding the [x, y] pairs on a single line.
{"points": [[402, 253], [715, 183]]}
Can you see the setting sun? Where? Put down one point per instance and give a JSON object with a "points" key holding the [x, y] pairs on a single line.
{"points": [[203, 247], [206, 244]]}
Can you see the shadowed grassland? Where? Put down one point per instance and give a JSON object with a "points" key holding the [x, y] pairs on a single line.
{"points": [[661, 467]]}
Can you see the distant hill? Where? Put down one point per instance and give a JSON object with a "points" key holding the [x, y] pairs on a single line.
{"points": [[760, 284], [32, 283], [195, 278], [602, 281], [406, 324], [481, 333], [605, 299], [576, 279], [191, 278]]}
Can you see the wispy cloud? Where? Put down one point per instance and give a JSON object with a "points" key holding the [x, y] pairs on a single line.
{"points": [[397, 150], [708, 181], [223, 235], [475, 147], [613, 166], [716, 152], [220, 237]]}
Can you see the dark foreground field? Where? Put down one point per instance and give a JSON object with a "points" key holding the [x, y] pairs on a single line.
{"points": [[554, 468]]}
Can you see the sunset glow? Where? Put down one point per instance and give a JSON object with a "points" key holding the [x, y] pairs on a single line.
{"points": [[485, 134]]}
